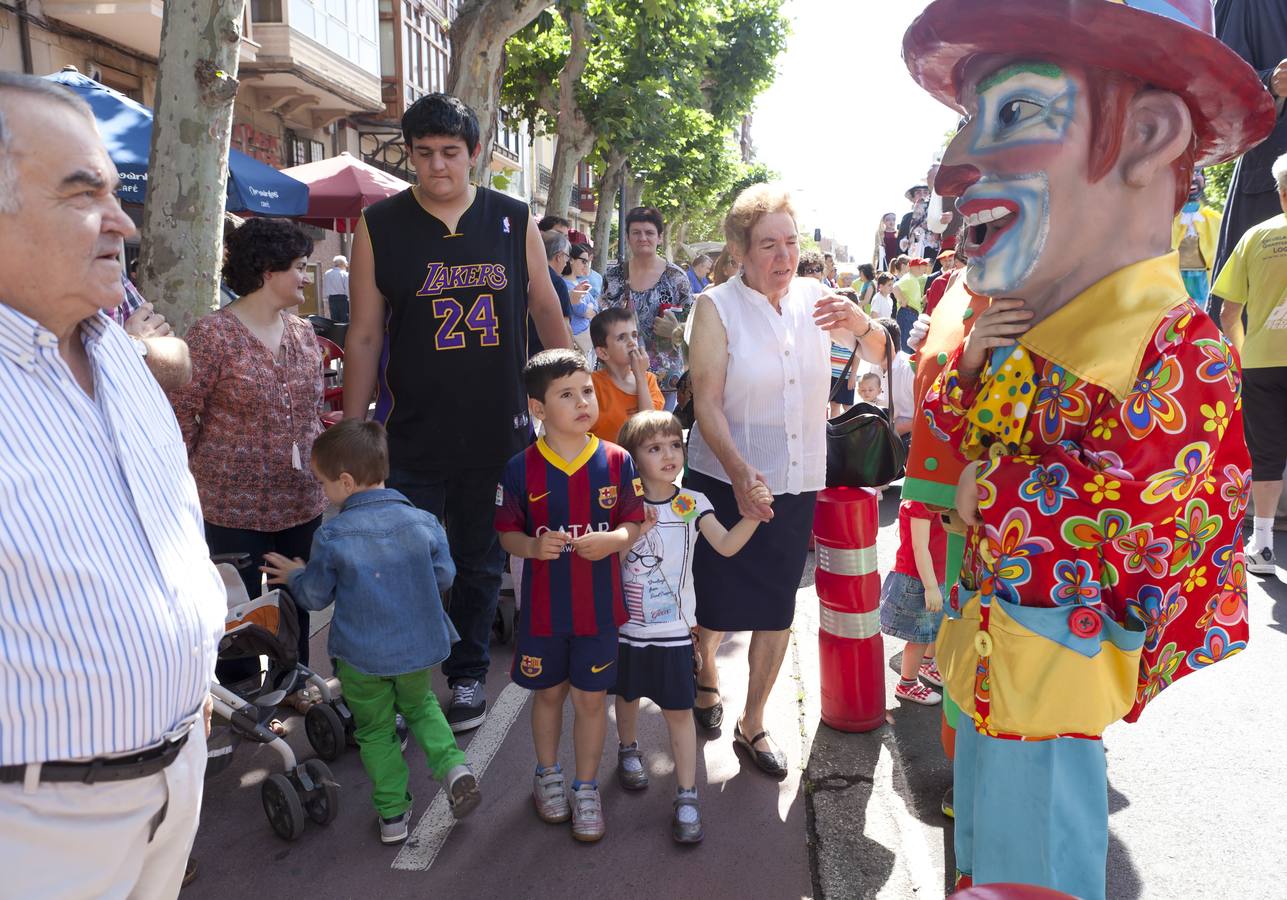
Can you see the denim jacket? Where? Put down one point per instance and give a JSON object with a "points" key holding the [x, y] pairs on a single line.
{"points": [[384, 564]]}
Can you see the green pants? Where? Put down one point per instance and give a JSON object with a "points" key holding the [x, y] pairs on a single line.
{"points": [[374, 700]]}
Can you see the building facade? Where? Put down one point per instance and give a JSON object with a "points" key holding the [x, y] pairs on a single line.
{"points": [[317, 78]]}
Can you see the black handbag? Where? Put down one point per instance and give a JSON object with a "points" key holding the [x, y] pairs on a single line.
{"points": [[863, 449]]}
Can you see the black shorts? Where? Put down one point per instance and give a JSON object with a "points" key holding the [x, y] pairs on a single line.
{"points": [[587, 661], [845, 395], [1264, 421], [663, 674]]}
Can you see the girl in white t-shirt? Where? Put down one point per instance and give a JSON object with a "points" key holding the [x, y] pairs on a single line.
{"points": [[656, 655], [882, 302]]}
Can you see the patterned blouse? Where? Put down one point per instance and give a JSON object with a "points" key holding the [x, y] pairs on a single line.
{"points": [[1130, 504], [672, 291], [249, 422]]}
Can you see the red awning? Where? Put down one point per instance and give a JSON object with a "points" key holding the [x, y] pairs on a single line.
{"points": [[341, 187]]}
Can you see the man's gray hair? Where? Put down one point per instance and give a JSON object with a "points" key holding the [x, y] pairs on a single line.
{"points": [[31, 85], [339, 261], [1280, 173], [556, 242]]}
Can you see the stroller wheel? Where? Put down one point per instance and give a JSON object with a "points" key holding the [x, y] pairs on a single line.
{"points": [[323, 802], [325, 730], [504, 624], [282, 806]]}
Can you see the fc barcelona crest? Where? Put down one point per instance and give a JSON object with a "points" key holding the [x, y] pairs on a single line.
{"points": [[530, 666], [608, 496]]}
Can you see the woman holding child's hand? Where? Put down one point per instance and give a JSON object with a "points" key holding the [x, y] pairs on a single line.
{"points": [[760, 366]]}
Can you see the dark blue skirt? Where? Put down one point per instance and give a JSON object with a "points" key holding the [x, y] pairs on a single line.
{"points": [[755, 589], [662, 674]]}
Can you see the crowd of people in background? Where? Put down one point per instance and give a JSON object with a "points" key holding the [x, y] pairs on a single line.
{"points": [[573, 377]]}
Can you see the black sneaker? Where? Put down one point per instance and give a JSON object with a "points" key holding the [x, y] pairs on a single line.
{"points": [[1261, 562], [468, 705]]}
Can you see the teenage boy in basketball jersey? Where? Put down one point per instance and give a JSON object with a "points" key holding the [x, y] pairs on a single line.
{"points": [[568, 505], [443, 280]]}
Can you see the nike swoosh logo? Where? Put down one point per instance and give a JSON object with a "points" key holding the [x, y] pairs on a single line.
{"points": [[597, 669], [533, 498]]}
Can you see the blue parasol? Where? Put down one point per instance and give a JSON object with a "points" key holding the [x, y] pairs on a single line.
{"points": [[126, 127]]}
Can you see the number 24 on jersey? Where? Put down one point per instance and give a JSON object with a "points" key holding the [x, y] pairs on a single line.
{"points": [[456, 323]]}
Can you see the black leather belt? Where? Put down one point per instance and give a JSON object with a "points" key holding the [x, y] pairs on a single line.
{"points": [[116, 768]]}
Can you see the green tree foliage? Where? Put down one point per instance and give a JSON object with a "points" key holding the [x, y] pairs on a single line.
{"points": [[1218, 179], [666, 84]]}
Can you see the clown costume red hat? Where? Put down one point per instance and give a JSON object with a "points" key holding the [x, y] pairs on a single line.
{"points": [[1167, 44]]}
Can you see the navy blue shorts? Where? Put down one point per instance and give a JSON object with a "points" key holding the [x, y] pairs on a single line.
{"points": [[663, 674], [587, 661]]}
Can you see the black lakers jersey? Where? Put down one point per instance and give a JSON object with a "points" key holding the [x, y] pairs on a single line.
{"points": [[450, 387]]}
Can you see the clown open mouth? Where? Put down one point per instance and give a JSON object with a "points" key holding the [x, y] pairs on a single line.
{"points": [[986, 219]]}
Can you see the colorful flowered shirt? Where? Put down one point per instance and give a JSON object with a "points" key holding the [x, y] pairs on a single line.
{"points": [[1115, 470]]}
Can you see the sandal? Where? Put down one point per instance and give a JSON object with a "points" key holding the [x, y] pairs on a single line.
{"points": [[709, 717], [771, 762]]}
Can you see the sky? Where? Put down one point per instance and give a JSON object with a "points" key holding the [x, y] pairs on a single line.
{"points": [[844, 124]]}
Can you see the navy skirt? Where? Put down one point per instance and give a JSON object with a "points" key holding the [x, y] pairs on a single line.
{"points": [[662, 674], [754, 590]]}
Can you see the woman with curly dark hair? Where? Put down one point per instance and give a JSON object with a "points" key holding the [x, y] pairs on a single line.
{"points": [[252, 410]]}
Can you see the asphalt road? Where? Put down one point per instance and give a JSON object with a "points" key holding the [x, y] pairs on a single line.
{"points": [[1196, 798]]}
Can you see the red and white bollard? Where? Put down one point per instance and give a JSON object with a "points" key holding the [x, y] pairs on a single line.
{"points": [[851, 652]]}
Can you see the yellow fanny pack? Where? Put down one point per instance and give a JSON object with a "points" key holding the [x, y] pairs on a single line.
{"points": [[1049, 670]]}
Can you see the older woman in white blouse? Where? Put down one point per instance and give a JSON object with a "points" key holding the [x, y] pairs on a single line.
{"points": [[760, 369]]}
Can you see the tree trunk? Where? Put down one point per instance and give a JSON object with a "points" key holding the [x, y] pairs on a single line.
{"points": [[188, 168], [609, 184], [634, 190], [678, 236], [478, 39], [575, 137]]}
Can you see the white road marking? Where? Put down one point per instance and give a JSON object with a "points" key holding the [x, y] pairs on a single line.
{"points": [[431, 832]]}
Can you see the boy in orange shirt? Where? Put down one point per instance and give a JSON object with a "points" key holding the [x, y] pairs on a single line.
{"points": [[623, 383]]}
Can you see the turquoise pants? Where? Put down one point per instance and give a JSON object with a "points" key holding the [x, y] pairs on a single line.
{"points": [[1032, 812]]}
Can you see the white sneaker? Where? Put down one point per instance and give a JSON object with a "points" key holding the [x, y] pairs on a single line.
{"points": [[394, 831], [1261, 562], [462, 790]]}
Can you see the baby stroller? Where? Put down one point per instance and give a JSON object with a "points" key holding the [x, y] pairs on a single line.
{"points": [[268, 626]]}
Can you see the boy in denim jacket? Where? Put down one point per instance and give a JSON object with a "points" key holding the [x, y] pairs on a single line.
{"points": [[384, 564]]}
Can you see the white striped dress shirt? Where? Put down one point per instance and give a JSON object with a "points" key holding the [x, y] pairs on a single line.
{"points": [[109, 606]]}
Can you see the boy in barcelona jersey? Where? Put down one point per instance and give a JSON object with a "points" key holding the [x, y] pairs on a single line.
{"points": [[567, 505]]}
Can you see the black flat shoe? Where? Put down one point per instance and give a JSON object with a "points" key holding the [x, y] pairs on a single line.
{"points": [[709, 717], [771, 762]]}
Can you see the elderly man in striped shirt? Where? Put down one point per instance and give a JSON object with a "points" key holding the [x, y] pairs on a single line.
{"points": [[109, 607]]}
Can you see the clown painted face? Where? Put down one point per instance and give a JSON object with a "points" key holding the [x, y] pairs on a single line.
{"points": [[1019, 168], [1197, 186]]}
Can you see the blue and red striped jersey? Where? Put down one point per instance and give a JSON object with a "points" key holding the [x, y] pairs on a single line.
{"points": [[541, 491]]}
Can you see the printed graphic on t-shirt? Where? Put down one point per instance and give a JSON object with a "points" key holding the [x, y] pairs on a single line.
{"points": [[651, 598], [658, 571], [1277, 319]]}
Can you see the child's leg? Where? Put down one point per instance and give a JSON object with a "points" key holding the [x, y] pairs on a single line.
{"points": [[628, 721], [589, 729], [418, 705], [547, 723], [913, 654], [683, 746], [371, 700]]}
